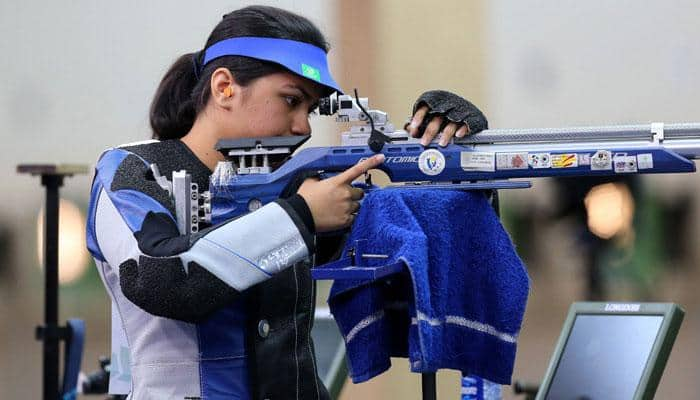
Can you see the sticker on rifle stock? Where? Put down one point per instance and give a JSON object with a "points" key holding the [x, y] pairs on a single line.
{"points": [[477, 161], [645, 161], [601, 161], [431, 162], [584, 159], [511, 161], [564, 160], [624, 164], [539, 160]]}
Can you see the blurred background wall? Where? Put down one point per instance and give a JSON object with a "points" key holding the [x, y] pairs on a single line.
{"points": [[78, 77]]}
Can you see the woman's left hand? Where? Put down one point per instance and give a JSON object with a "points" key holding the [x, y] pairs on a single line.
{"points": [[439, 111]]}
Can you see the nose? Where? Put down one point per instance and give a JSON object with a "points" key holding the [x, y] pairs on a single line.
{"points": [[300, 124]]}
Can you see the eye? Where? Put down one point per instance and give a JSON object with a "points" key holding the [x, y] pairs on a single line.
{"points": [[292, 101]]}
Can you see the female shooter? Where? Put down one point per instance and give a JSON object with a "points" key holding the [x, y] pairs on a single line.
{"points": [[185, 332]]}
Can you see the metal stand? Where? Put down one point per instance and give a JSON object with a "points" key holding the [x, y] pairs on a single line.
{"points": [[51, 334], [428, 387]]}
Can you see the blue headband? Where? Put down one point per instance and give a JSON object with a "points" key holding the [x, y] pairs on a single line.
{"points": [[303, 59]]}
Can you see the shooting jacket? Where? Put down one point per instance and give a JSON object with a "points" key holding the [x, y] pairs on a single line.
{"points": [[178, 330]]}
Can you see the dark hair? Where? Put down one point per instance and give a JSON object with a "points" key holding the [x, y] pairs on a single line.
{"points": [[185, 90]]}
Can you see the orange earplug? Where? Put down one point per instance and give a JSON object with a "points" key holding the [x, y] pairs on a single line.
{"points": [[228, 92]]}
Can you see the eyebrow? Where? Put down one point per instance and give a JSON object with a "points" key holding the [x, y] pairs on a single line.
{"points": [[299, 88]]}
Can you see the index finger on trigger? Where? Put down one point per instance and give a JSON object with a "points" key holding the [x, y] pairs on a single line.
{"points": [[356, 194], [360, 168], [417, 120]]}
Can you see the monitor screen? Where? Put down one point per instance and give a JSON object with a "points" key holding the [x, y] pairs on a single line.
{"points": [[604, 357]]}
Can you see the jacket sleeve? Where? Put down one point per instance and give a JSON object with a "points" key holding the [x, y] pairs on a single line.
{"points": [[131, 226]]}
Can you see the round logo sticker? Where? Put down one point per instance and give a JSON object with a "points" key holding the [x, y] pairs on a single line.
{"points": [[431, 162]]}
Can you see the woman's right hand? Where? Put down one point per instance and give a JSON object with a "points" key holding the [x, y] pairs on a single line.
{"points": [[334, 202]]}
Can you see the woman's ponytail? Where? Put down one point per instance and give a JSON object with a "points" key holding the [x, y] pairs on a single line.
{"points": [[173, 109]]}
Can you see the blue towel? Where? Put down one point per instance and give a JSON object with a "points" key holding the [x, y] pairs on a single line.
{"points": [[460, 305]]}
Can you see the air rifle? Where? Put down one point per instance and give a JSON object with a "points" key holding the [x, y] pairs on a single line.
{"points": [[258, 170]]}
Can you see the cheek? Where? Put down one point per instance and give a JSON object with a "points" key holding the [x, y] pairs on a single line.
{"points": [[268, 119]]}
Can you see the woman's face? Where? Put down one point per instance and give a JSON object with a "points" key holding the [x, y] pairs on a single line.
{"points": [[273, 105]]}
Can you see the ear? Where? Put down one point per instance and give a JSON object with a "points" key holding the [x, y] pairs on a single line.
{"points": [[223, 87]]}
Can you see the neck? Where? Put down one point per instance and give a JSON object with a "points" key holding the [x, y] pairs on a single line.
{"points": [[201, 139]]}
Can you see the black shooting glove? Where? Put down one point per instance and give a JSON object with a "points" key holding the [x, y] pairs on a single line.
{"points": [[454, 115]]}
